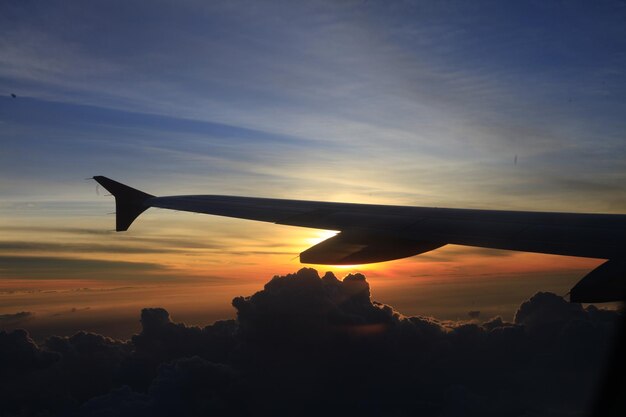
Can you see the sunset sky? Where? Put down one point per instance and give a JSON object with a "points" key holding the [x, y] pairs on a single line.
{"points": [[499, 105]]}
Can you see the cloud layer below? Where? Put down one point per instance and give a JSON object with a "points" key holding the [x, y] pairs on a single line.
{"points": [[306, 345]]}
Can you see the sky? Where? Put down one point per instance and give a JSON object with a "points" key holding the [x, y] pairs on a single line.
{"points": [[500, 105]]}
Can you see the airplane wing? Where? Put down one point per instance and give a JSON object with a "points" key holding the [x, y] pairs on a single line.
{"points": [[375, 233]]}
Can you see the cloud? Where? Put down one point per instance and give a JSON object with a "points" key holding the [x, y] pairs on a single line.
{"points": [[24, 247], [15, 318], [43, 267], [547, 310], [72, 310], [311, 345], [474, 314], [185, 386], [19, 353], [64, 242]]}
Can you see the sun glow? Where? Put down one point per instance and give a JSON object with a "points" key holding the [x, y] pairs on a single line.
{"points": [[317, 236]]}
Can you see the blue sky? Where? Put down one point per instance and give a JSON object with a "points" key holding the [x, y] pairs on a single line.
{"points": [[415, 102], [502, 105]]}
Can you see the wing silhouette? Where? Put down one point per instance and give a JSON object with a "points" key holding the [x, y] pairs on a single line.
{"points": [[375, 233]]}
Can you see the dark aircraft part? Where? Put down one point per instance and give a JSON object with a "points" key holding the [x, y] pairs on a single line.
{"points": [[351, 248], [600, 236], [392, 232], [129, 202], [604, 284]]}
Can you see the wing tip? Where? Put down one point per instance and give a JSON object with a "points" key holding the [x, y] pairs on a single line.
{"points": [[129, 202]]}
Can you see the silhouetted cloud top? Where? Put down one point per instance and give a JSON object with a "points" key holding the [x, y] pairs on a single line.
{"points": [[19, 353], [306, 345]]}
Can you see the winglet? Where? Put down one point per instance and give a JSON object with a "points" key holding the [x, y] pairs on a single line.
{"points": [[129, 202]]}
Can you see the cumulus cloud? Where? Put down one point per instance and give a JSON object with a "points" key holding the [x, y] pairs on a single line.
{"points": [[19, 353], [311, 345]]}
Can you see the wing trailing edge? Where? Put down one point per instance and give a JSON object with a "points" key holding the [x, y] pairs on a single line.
{"points": [[353, 248]]}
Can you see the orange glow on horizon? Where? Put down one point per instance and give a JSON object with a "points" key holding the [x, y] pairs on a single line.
{"points": [[195, 265]]}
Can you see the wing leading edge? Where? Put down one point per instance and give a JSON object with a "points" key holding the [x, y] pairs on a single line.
{"points": [[376, 233]]}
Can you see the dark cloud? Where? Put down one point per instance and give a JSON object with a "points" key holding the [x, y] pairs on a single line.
{"points": [[306, 345], [43, 267], [161, 341], [15, 318], [19, 353], [25, 377], [187, 386], [55, 230], [173, 243], [30, 247], [58, 260], [71, 311], [474, 314]]}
